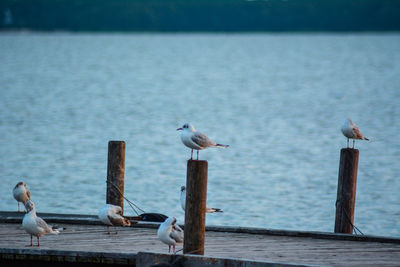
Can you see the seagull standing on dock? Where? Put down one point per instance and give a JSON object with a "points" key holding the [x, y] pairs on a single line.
{"points": [[351, 131], [34, 225], [112, 215], [21, 193], [196, 140], [183, 202], [170, 233]]}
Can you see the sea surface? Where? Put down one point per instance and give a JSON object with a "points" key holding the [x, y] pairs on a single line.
{"points": [[277, 100]]}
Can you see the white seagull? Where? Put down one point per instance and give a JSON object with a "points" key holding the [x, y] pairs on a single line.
{"points": [[351, 131], [21, 193], [34, 225], [170, 233], [183, 202], [112, 215], [196, 140]]}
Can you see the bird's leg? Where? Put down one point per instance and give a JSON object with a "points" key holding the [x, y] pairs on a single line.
{"points": [[108, 229], [197, 155], [38, 243], [191, 154], [18, 206], [116, 232], [174, 248], [30, 244], [347, 142], [353, 143], [169, 248]]}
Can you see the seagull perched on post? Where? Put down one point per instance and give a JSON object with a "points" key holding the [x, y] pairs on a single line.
{"points": [[34, 225], [196, 140], [112, 215], [21, 193], [170, 233], [183, 202], [351, 131]]}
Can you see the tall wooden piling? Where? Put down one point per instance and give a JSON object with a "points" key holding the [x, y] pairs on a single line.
{"points": [[195, 210], [346, 193], [115, 173]]}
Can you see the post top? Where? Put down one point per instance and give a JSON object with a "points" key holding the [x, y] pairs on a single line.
{"points": [[197, 160], [349, 149], [115, 141]]}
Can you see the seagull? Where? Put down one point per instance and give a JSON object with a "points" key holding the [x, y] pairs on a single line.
{"points": [[183, 202], [351, 131], [112, 215], [196, 140], [170, 233], [34, 225], [21, 193]]}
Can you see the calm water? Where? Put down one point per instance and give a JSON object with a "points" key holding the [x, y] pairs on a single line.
{"points": [[278, 100]]}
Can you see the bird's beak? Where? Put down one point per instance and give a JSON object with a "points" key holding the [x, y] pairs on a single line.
{"points": [[179, 129]]}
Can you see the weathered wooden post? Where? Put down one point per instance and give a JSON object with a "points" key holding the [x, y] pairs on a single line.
{"points": [[346, 193], [115, 173], [195, 210]]}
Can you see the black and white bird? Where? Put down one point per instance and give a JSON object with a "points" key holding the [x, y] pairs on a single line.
{"points": [[21, 193], [196, 140], [170, 233], [111, 215], [351, 131], [36, 226], [183, 202]]}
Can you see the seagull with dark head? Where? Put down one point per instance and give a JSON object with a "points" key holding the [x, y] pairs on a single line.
{"points": [[196, 140]]}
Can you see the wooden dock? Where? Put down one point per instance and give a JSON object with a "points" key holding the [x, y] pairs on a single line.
{"points": [[84, 241]]}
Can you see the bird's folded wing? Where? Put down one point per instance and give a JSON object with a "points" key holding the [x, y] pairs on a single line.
{"points": [[177, 234], [116, 220], [42, 224], [357, 132], [201, 140]]}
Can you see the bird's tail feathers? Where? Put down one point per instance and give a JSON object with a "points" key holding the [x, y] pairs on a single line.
{"points": [[365, 138], [217, 210], [223, 146], [56, 230]]}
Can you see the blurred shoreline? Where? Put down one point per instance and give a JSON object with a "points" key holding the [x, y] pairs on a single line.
{"points": [[200, 16]]}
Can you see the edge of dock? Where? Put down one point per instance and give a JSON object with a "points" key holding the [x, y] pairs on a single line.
{"points": [[16, 217]]}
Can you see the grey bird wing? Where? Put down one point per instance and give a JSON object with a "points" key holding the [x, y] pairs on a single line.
{"points": [[202, 140], [42, 224], [177, 234]]}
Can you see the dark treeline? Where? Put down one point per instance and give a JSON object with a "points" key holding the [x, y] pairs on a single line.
{"points": [[200, 15]]}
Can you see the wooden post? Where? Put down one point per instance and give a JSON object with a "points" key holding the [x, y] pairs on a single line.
{"points": [[195, 212], [115, 173], [346, 193]]}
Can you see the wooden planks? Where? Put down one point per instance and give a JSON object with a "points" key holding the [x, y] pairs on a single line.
{"points": [[271, 248]]}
